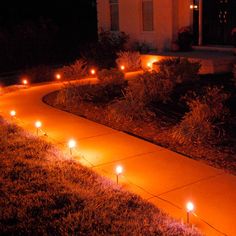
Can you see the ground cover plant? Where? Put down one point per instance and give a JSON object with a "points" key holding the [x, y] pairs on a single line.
{"points": [[173, 107], [43, 192]]}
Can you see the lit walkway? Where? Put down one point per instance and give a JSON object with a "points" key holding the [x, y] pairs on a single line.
{"points": [[163, 177]]}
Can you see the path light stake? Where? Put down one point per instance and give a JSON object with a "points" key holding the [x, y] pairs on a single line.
{"points": [[189, 208], [71, 145], [119, 170], [38, 125]]}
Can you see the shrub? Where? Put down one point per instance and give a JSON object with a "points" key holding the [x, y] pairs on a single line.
{"points": [[131, 60], [185, 38], [203, 123], [40, 73], [157, 87], [111, 84], [103, 53], [142, 47], [74, 71], [178, 69]]}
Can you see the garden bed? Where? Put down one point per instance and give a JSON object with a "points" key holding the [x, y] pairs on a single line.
{"points": [[43, 192], [204, 106]]}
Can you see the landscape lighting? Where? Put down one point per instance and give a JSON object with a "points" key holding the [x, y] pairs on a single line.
{"points": [[119, 171], [122, 67], [24, 81], [189, 208], [12, 113], [71, 145], [38, 125], [58, 76], [93, 71]]}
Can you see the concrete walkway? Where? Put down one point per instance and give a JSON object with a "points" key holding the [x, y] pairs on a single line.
{"points": [[162, 177]]}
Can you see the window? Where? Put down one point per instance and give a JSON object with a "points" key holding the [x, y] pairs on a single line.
{"points": [[114, 14], [147, 14]]}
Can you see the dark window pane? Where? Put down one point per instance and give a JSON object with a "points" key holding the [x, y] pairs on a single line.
{"points": [[114, 11]]}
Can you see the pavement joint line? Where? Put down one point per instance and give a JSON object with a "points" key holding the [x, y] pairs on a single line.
{"points": [[98, 135], [176, 206], [123, 159], [192, 183]]}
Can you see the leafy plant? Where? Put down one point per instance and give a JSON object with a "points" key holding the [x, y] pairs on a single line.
{"points": [[178, 69], [203, 123], [103, 53], [130, 60], [185, 38], [74, 71]]}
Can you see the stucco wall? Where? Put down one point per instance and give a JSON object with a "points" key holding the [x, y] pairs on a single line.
{"points": [[169, 16]]}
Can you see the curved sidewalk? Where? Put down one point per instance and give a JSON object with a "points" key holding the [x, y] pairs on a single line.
{"points": [[164, 178]]}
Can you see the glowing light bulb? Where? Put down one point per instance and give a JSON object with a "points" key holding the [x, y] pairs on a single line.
{"points": [[38, 124], [122, 67], [58, 76], [13, 113], [190, 206], [25, 81], [119, 170], [93, 71]]}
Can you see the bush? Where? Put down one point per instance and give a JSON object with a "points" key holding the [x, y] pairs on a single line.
{"points": [[40, 73], [203, 123], [74, 71], [103, 53], [185, 38], [130, 60], [111, 85], [178, 69], [142, 47]]}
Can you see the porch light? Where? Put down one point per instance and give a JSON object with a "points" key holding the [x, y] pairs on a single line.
{"points": [[189, 208], [119, 171], [71, 145]]}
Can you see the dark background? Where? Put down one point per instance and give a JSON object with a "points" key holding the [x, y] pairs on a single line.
{"points": [[39, 33]]}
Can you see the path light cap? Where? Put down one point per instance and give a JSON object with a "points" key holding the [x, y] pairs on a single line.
{"points": [[38, 124], [189, 206], [119, 170], [13, 113], [71, 143]]}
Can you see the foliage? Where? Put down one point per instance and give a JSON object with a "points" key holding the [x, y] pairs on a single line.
{"points": [[185, 38], [74, 71], [40, 73], [179, 69], [203, 123], [103, 53], [130, 60], [110, 86], [44, 192], [142, 47]]}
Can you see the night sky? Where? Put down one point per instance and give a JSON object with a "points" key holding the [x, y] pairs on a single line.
{"points": [[39, 33]]}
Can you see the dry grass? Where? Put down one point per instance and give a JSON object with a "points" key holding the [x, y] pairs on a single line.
{"points": [[42, 192]]}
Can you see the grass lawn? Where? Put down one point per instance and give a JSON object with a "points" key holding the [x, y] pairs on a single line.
{"points": [[43, 192]]}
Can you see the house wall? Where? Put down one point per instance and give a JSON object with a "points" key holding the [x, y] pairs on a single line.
{"points": [[169, 16]]}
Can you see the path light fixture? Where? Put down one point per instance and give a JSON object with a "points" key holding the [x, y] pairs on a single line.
{"points": [[25, 82], [189, 208], [122, 67], [119, 171], [92, 71], [71, 145], [12, 113], [58, 76], [38, 125]]}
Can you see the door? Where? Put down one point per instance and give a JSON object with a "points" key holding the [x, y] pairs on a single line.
{"points": [[219, 18]]}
